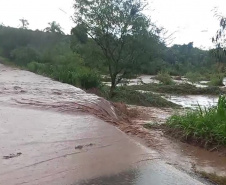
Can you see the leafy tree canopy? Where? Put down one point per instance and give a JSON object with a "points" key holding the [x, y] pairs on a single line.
{"points": [[121, 31]]}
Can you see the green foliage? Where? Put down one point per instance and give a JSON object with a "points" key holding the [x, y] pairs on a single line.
{"points": [[219, 39], [24, 23], [177, 89], [213, 177], [186, 58], [47, 54], [123, 94], [121, 32], [194, 77], [54, 28], [81, 77], [24, 55], [164, 78], [12, 38], [217, 80], [206, 125]]}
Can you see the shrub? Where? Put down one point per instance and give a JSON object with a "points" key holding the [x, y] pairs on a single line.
{"points": [[32, 66], [24, 55], [82, 77], [164, 78], [88, 79], [217, 80], [193, 77], [207, 126]]}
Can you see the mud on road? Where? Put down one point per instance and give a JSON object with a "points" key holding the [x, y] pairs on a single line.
{"points": [[56, 134]]}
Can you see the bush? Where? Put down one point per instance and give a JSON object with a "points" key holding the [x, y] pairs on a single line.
{"points": [[24, 55], [194, 77], [164, 78], [88, 79], [207, 126], [32, 66], [82, 77], [217, 80]]}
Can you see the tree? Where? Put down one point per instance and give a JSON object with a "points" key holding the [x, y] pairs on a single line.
{"points": [[24, 23], [119, 29], [220, 40], [54, 28]]}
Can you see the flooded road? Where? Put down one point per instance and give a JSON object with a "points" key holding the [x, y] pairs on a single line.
{"points": [[50, 134]]}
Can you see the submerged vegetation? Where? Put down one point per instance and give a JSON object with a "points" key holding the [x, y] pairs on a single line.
{"points": [[123, 94], [181, 89], [164, 78], [206, 126], [217, 80]]}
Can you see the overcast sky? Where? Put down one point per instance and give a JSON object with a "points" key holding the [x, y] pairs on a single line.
{"points": [[193, 20]]}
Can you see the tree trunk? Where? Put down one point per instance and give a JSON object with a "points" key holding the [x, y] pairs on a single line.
{"points": [[113, 85], [111, 92]]}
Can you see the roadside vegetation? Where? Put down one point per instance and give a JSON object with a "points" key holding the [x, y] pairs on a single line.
{"points": [[213, 177], [204, 126]]}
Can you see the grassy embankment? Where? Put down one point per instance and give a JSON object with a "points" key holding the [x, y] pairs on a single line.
{"points": [[205, 127]]}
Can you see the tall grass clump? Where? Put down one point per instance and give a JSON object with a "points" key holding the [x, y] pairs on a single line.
{"points": [[194, 77], [217, 80], [206, 126], [164, 78], [80, 77]]}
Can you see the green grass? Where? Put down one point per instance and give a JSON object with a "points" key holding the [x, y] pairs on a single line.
{"points": [[164, 78], [194, 77], [177, 89], [207, 127], [220, 180], [132, 97], [217, 80]]}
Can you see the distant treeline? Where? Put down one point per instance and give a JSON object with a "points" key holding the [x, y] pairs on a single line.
{"points": [[24, 46]]}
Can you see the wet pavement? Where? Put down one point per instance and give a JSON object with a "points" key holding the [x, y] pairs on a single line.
{"points": [[49, 134]]}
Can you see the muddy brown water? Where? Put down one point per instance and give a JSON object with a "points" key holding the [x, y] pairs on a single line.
{"points": [[175, 152], [49, 134]]}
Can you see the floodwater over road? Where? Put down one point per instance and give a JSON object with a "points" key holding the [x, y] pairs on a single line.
{"points": [[50, 134]]}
